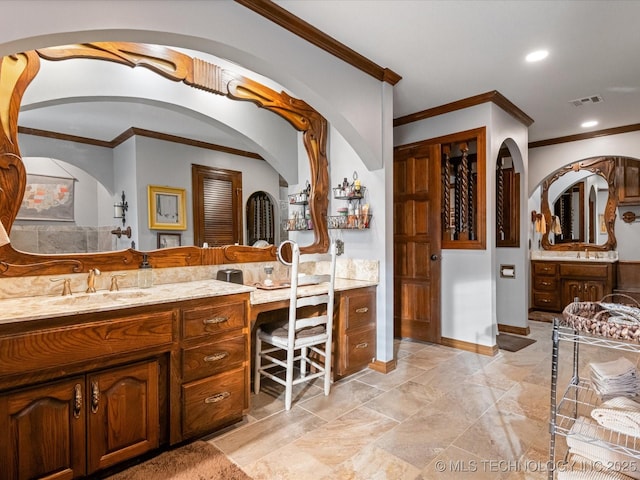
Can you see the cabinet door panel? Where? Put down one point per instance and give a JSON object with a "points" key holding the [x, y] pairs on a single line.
{"points": [[123, 414], [36, 420]]}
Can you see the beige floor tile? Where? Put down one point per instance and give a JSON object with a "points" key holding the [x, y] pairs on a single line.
{"points": [[430, 357], [373, 463], [339, 440], [423, 436], [405, 400], [526, 399], [440, 404], [342, 398], [468, 400], [403, 373], [248, 444], [501, 436], [286, 463], [455, 464]]}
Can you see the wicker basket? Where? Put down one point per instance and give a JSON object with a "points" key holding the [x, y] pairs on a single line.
{"points": [[612, 320]]}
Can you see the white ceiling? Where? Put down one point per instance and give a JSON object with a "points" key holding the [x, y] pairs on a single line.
{"points": [[446, 51]]}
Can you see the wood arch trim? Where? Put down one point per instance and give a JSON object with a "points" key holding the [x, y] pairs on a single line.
{"points": [[17, 72]]}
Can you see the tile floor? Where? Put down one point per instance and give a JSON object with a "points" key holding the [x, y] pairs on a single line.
{"points": [[443, 413]]}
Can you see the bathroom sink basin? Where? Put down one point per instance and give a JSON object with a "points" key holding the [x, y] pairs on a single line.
{"points": [[97, 298]]}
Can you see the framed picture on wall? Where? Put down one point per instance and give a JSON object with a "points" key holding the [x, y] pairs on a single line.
{"points": [[47, 198], [167, 208], [169, 240]]}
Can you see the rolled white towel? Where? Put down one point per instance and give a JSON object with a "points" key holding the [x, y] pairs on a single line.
{"points": [[620, 414]]}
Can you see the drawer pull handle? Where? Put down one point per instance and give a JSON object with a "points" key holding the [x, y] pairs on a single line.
{"points": [[546, 300], [362, 310], [216, 356], [215, 320], [546, 284], [95, 397], [217, 398], [362, 345], [77, 405]]}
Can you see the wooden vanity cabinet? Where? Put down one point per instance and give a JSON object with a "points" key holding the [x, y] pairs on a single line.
{"points": [[80, 394], [214, 364], [555, 284], [544, 286], [80, 425], [355, 331]]}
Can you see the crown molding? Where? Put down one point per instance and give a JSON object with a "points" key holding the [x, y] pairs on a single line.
{"points": [[133, 131], [317, 37], [585, 136], [493, 96]]}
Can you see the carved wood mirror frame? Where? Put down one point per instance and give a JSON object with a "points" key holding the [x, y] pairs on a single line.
{"points": [[603, 166], [16, 73]]}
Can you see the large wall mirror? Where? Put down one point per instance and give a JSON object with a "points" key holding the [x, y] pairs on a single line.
{"points": [[579, 204], [17, 71]]}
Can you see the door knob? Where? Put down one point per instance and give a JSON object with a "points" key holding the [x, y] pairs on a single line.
{"points": [[434, 257]]}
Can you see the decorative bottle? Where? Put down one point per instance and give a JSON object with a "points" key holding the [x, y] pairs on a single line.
{"points": [[145, 273]]}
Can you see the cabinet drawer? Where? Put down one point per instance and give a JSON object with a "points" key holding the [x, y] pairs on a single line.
{"points": [[584, 271], [545, 283], [87, 341], [361, 348], [546, 300], [360, 309], [545, 268], [205, 320], [212, 402], [211, 358]]}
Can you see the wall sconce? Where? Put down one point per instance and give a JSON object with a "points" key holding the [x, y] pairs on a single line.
{"points": [[120, 209]]}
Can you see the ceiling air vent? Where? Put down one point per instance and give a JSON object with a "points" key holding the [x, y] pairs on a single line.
{"points": [[585, 100]]}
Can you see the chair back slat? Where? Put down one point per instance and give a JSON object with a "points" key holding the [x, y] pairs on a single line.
{"points": [[324, 298], [311, 321]]}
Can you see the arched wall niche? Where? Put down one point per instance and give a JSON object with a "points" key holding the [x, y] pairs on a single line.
{"points": [[17, 71]]}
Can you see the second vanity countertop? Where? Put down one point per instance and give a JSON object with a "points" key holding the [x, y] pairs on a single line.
{"points": [[42, 307]]}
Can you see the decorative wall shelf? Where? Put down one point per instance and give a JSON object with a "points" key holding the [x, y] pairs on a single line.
{"points": [[355, 217]]}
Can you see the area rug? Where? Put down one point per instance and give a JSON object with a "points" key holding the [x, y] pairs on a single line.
{"points": [[195, 461], [513, 343], [540, 316]]}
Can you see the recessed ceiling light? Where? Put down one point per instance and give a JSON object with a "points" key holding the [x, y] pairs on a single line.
{"points": [[537, 56], [590, 123]]}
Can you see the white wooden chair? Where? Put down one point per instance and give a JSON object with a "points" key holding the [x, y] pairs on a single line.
{"points": [[299, 342]]}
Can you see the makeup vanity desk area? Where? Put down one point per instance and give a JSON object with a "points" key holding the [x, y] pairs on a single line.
{"points": [[114, 375]]}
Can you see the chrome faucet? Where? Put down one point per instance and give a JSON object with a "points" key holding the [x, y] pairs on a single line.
{"points": [[91, 280]]}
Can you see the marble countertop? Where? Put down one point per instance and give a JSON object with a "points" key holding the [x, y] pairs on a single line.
{"points": [[39, 307], [574, 256], [42, 307], [259, 296]]}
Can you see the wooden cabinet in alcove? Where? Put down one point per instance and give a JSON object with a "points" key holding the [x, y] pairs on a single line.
{"points": [[628, 179]]}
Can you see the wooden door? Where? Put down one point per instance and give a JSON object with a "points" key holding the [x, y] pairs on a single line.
{"points": [[417, 240], [43, 432], [122, 407], [217, 206]]}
